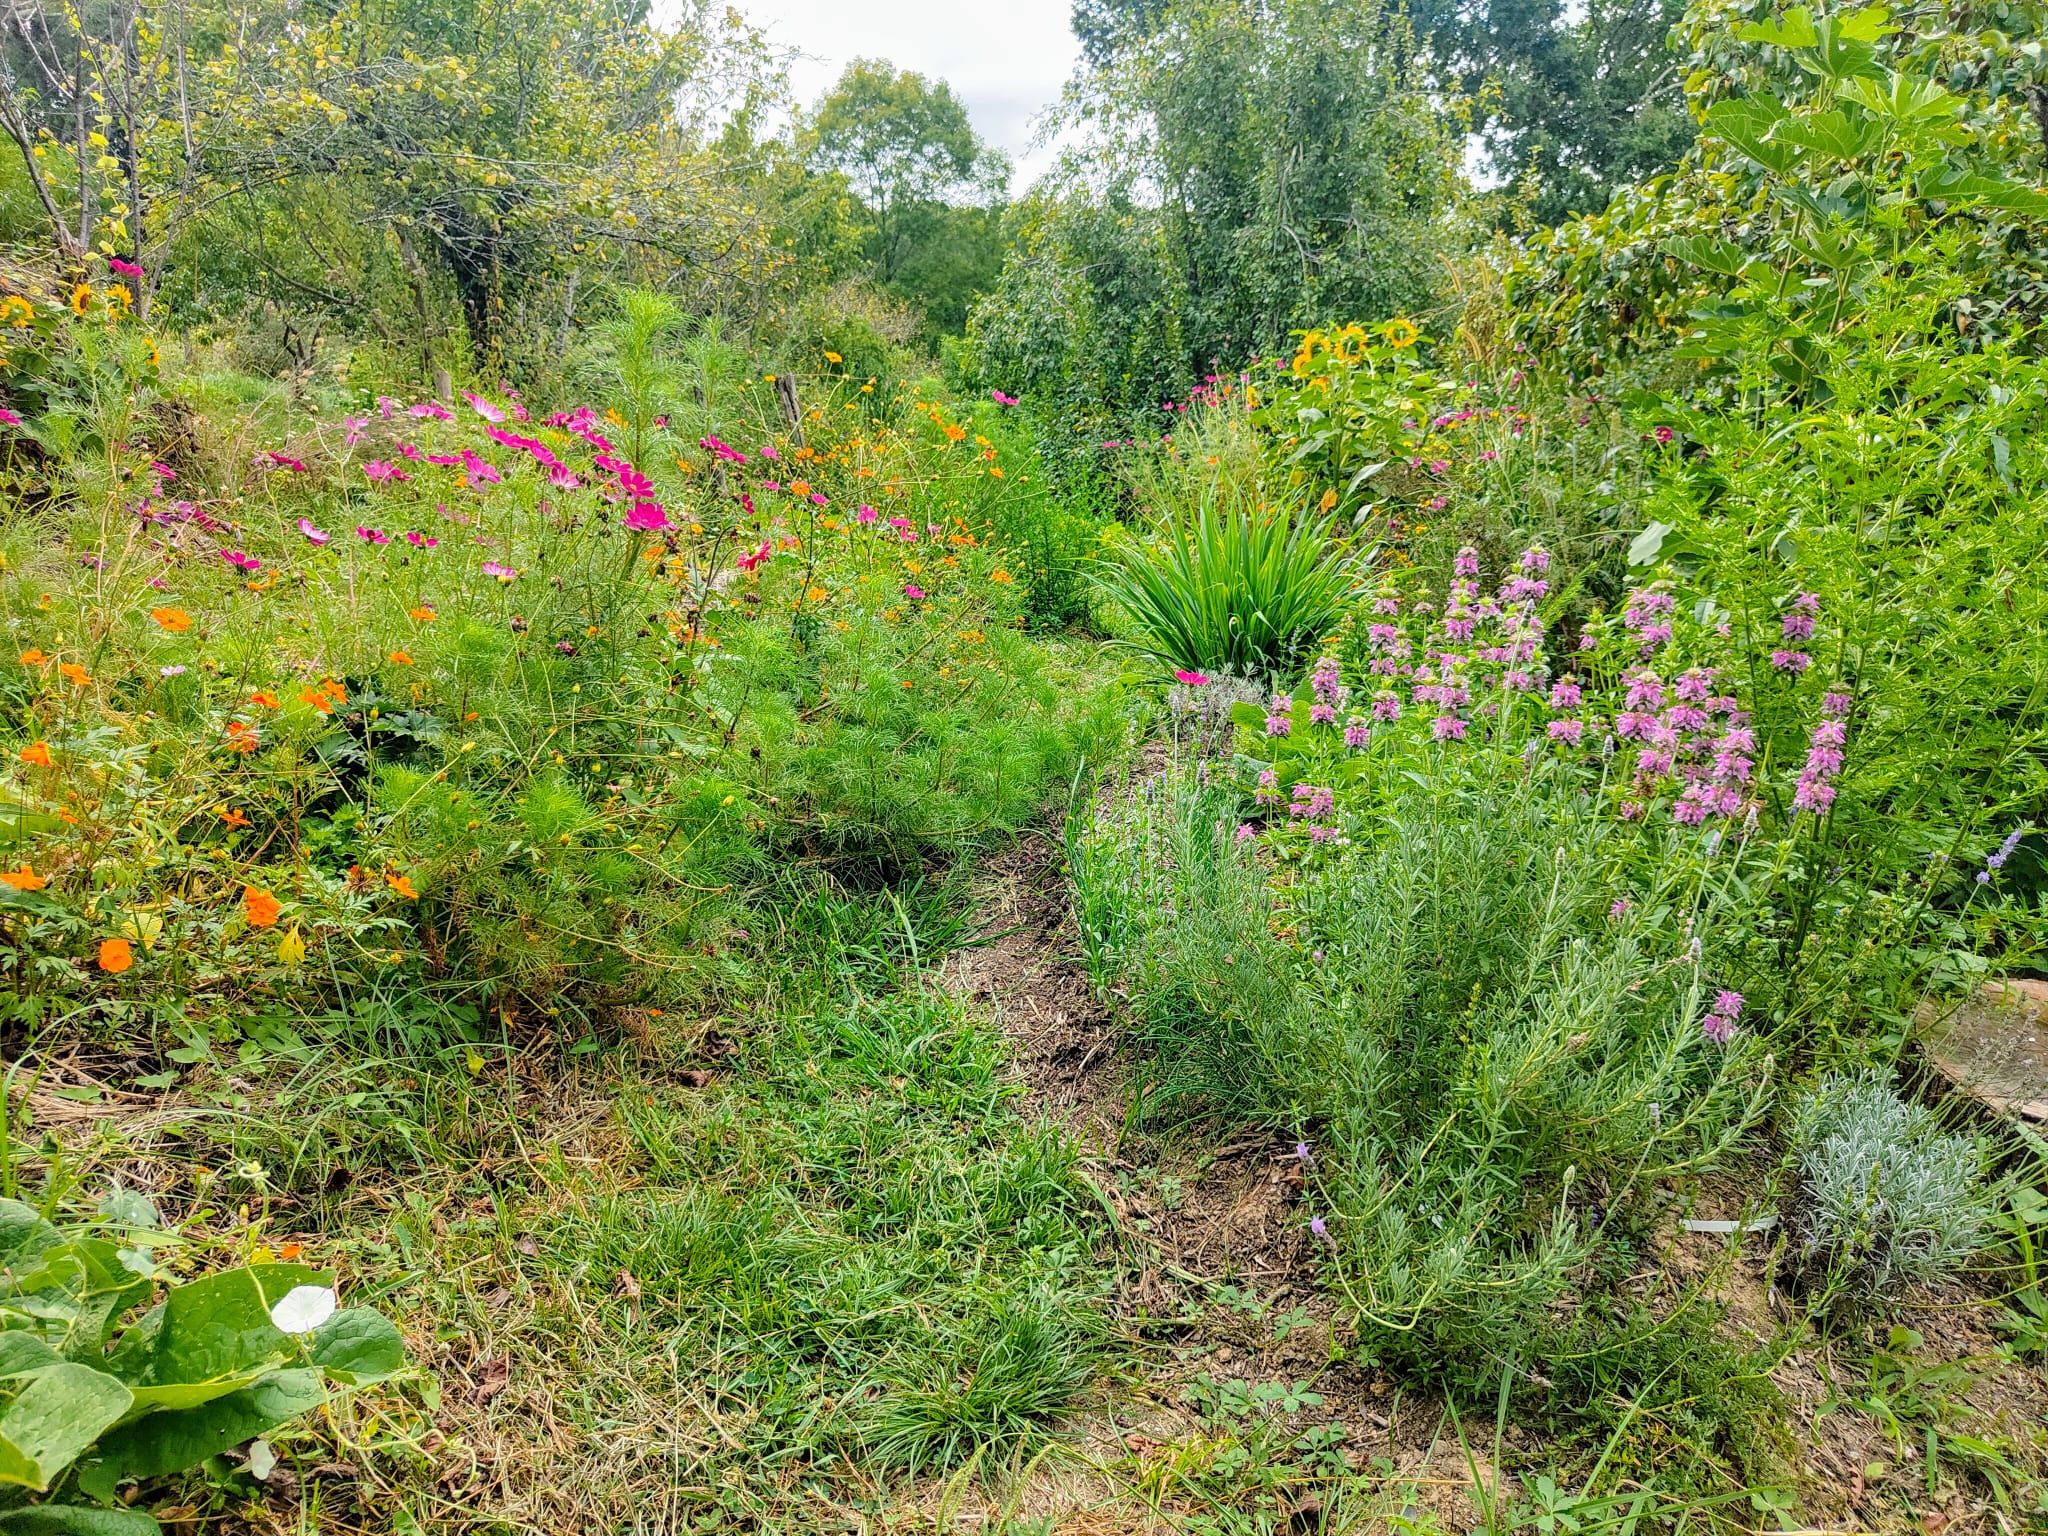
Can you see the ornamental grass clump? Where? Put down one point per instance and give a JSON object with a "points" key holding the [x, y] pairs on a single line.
{"points": [[1233, 589], [1886, 1198]]}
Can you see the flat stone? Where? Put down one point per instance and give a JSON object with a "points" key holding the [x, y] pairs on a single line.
{"points": [[1993, 1044]]}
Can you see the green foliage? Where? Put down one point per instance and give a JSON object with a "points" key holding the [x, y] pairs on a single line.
{"points": [[1448, 1001], [97, 1399], [1231, 589], [1301, 170]]}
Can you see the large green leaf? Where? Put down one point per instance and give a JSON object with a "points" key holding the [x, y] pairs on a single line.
{"points": [[1794, 29], [1747, 123], [23, 1234], [76, 1520], [358, 1346], [1903, 98], [1828, 135], [23, 1353], [1715, 255], [162, 1443], [220, 1326], [61, 1412]]}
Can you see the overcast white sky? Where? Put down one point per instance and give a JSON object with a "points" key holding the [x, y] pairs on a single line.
{"points": [[1007, 61]]}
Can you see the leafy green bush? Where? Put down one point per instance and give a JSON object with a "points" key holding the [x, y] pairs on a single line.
{"points": [[98, 1398]]}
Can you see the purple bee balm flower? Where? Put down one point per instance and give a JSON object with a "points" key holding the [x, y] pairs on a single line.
{"points": [[1567, 731], [1357, 735], [1798, 626], [1447, 728], [1717, 1029], [1619, 908], [1466, 562], [1794, 662], [1536, 559], [1246, 832], [1728, 1004], [1834, 705], [1386, 707]]}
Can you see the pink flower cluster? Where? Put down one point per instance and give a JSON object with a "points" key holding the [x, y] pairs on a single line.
{"points": [[1816, 790]]}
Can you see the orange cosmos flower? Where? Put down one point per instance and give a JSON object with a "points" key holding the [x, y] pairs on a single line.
{"points": [[77, 674], [400, 659], [36, 754], [176, 620], [999, 575], [23, 879], [403, 886], [234, 816], [264, 697], [260, 907], [115, 956], [334, 690], [422, 615], [319, 701], [34, 658]]}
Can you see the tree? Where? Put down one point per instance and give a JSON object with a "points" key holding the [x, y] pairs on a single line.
{"points": [[930, 188]]}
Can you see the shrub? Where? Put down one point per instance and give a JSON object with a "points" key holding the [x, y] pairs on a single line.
{"points": [[1886, 1200], [1486, 1065]]}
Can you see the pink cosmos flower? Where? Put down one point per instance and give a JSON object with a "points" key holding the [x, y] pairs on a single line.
{"points": [[420, 541], [563, 478], [1002, 399], [1192, 679], [355, 425], [382, 471], [313, 535], [125, 268], [915, 594], [479, 470], [483, 408], [372, 536], [502, 572], [9, 417], [236, 558], [433, 410], [866, 514], [647, 517]]}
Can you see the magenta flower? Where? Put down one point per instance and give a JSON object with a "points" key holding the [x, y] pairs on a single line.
{"points": [[1192, 679], [313, 534], [1002, 399], [420, 541], [915, 594], [241, 561], [382, 472], [483, 408], [502, 572], [1664, 434], [866, 514], [647, 517], [9, 417], [433, 410], [372, 536], [125, 268]]}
